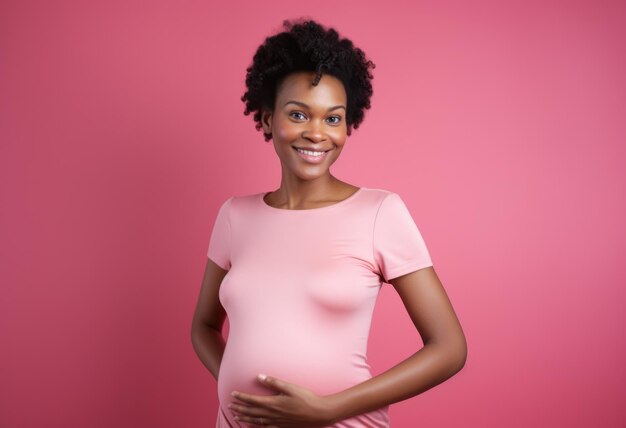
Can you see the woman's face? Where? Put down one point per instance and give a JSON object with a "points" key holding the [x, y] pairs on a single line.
{"points": [[310, 118]]}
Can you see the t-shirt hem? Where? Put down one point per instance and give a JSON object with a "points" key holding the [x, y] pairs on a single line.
{"points": [[405, 268], [221, 264]]}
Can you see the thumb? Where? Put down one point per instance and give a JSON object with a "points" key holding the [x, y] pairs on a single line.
{"points": [[277, 384]]}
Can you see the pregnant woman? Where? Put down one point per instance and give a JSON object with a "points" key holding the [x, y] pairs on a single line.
{"points": [[297, 270]]}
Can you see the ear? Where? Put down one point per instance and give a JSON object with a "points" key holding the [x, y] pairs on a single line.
{"points": [[266, 121]]}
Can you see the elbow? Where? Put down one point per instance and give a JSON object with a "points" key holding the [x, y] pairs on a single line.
{"points": [[196, 329], [457, 350], [194, 326], [461, 359], [458, 355], [193, 332], [200, 327], [453, 353]]}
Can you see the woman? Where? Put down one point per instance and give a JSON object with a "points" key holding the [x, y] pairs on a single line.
{"points": [[298, 269]]}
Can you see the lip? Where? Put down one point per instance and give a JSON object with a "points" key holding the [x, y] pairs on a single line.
{"points": [[312, 149], [311, 159]]}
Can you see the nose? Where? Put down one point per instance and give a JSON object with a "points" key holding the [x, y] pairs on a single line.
{"points": [[314, 132]]}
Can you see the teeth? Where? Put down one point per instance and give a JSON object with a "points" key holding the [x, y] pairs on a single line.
{"points": [[310, 153]]}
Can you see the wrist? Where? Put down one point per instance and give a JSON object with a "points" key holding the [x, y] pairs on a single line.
{"points": [[335, 408]]}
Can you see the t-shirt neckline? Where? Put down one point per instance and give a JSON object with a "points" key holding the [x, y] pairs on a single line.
{"points": [[261, 196]]}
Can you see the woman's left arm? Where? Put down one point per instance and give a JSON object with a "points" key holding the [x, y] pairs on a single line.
{"points": [[443, 354]]}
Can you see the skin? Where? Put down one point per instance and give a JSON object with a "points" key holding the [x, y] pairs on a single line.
{"points": [[304, 186], [312, 125]]}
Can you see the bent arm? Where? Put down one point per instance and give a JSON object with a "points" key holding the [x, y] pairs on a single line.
{"points": [[444, 352], [208, 320]]}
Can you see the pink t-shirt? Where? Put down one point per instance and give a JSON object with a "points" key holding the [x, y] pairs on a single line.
{"points": [[301, 288]]}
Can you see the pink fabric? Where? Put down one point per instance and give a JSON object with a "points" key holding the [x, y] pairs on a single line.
{"points": [[301, 290]]}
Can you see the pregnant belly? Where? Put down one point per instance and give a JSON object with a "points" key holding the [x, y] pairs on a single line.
{"points": [[324, 371]]}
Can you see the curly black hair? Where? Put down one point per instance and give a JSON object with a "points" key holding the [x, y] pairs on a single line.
{"points": [[307, 46]]}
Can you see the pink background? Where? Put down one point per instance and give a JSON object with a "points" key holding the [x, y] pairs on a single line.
{"points": [[501, 124]]}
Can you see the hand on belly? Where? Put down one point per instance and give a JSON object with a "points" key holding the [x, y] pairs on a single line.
{"points": [[290, 403]]}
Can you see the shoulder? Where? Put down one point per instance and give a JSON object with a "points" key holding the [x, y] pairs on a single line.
{"points": [[242, 202], [377, 195], [388, 206]]}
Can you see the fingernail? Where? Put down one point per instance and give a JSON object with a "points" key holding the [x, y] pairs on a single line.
{"points": [[262, 376], [234, 393]]}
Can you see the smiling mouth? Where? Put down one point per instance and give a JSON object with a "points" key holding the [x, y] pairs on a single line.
{"points": [[308, 156], [314, 151]]}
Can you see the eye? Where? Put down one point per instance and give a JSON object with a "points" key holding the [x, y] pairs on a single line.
{"points": [[295, 112], [335, 117]]}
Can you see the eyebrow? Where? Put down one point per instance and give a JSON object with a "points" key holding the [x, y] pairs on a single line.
{"points": [[301, 104]]}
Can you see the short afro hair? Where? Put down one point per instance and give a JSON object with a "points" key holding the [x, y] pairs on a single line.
{"points": [[307, 46]]}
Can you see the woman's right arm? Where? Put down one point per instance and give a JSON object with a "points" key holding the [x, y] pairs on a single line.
{"points": [[208, 319]]}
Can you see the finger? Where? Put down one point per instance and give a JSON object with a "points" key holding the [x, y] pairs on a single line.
{"points": [[249, 410], [255, 420], [275, 383], [257, 400]]}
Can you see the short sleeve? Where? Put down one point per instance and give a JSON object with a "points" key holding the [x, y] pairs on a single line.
{"points": [[398, 244], [219, 243]]}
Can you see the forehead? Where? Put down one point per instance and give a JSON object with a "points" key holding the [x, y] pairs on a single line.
{"points": [[298, 86]]}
